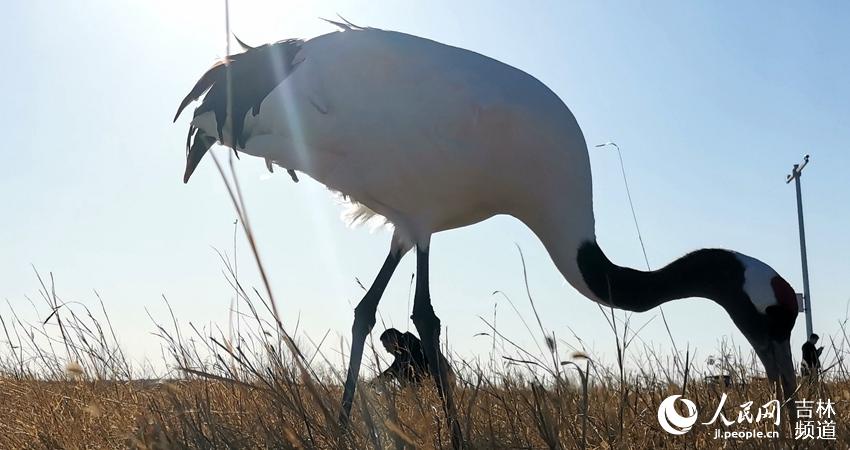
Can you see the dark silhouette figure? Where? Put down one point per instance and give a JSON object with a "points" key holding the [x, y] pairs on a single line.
{"points": [[811, 356], [410, 365], [726, 380]]}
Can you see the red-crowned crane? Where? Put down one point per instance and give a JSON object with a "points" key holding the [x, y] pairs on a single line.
{"points": [[433, 137]]}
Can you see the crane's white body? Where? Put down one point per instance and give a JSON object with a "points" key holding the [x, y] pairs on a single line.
{"points": [[429, 136]]}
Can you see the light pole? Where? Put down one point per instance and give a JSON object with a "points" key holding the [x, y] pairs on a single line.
{"points": [[795, 174]]}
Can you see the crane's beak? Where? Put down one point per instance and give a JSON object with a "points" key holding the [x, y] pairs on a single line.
{"points": [[779, 365], [785, 367], [200, 145]]}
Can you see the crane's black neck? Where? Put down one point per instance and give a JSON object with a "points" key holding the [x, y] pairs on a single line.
{"points": [[715, 274]]}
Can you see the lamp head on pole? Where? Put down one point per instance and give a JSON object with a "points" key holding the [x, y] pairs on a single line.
{"points": [[797, 170], [605, 144]]}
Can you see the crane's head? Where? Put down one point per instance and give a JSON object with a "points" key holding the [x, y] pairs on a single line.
{"points": [[234, 86], [768, 320]]}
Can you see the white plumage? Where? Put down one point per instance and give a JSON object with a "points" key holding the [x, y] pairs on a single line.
{"points": [[417, 133], [757, 282]]}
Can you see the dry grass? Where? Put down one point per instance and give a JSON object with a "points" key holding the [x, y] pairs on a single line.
{"points": [[65, 384], [213, 414]]}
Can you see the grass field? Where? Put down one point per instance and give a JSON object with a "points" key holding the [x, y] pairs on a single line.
{"points": [[66, 384], [216, 414]]}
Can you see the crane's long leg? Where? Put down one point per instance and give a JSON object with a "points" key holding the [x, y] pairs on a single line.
{"points": [[428, 325], [364, 320]]}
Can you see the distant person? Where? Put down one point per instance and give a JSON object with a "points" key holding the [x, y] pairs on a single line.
{"points": [[811, 356], [410, 365]]}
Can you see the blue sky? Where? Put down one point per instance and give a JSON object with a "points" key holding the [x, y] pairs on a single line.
{"points": [[711, 102]]}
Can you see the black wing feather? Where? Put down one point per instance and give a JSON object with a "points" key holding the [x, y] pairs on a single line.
{"points": [[252, 76]]}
